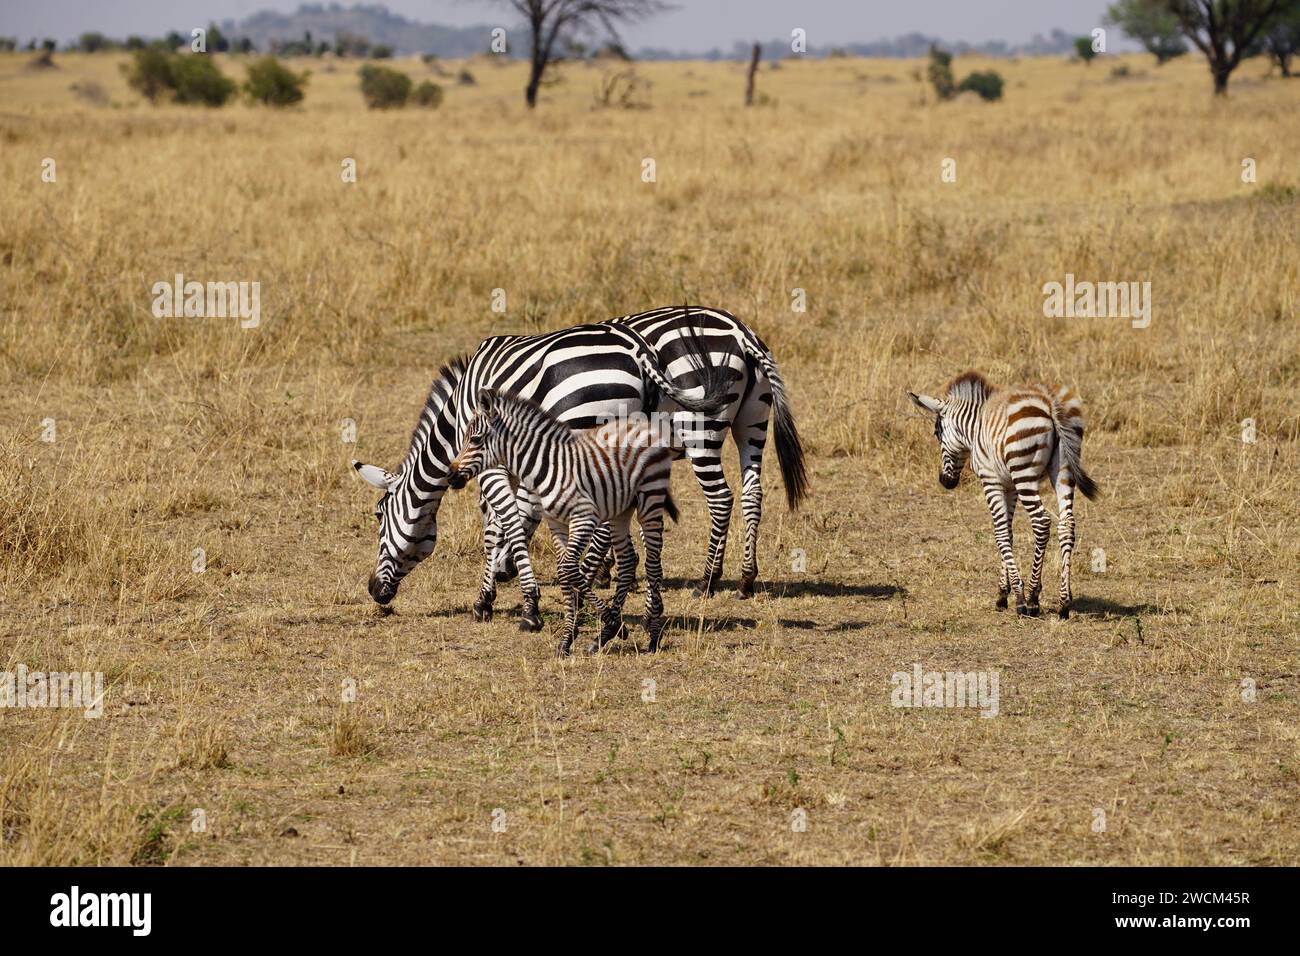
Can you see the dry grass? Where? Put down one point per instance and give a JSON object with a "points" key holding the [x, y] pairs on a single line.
{"points": [[223, 687]]}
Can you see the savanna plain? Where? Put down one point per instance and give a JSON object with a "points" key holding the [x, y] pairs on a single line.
{"points": [[1158, 725]]}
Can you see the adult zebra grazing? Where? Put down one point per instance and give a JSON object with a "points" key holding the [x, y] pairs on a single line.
{"points": [[582, 375], [581, 479], [674, 332], [1015, 438]]}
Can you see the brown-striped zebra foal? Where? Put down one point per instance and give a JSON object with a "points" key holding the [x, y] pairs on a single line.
{"points": [[582, 479], [1015, 438]]}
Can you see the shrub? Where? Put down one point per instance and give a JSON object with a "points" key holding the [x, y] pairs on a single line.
{"points": [[197, 80], [150, 73], [1083, 49], [381, 51], [940, 73], [428, 94], [157, 74], [94, 42], [383, 87], [988, 85], [271, 84]]}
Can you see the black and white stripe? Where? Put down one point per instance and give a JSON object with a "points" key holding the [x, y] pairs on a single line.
{"points": [[581, 480], [582, 376]]}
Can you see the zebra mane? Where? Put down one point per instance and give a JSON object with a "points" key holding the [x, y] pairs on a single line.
{"points": [[533, 418], [969, 387], [444, 384]]}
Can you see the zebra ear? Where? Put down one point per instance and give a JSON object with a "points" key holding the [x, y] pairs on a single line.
{"points": [[375, 475], [486, 398], [924, 402]]}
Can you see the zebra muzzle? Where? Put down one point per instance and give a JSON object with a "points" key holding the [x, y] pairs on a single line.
{"points": [[948, 481]]}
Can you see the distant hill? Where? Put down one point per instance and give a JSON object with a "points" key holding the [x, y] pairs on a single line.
{"points": [[379, 25], [375, 22]]}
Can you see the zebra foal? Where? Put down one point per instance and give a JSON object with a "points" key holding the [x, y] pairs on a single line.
{"points": [[580, 479], [1015, 438]]}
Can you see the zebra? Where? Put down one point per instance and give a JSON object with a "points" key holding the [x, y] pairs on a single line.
{"points": [[759, 394], [581, 375], [1015, 438], [581, 479]]}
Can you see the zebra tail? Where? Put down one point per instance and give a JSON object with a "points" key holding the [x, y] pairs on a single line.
{"points": [[1067, 416], [717, 385], [789, 448], [670, 507]]}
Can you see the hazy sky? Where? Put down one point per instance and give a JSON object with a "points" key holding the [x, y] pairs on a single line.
{"points": [[696, 25]]}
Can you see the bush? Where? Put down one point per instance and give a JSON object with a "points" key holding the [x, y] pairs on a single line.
{"points": [[988, 85], [940, 73], [1083, 49], [383, 87], [428, 94], [271, 84], [150, 73], [157, 74], [197, 80], [381, 51]]}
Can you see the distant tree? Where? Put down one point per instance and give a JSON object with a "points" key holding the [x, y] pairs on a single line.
{"points": [[8, 44], [48, 45], [272, 84], [134, 42], [93, 42], [217, 41], [553, 21], [173, 40], [1282, 38], [1225, 30], [351, 44], [1083, 49], [381, 51], [245, 45], [939, 73], [1151, 24]]}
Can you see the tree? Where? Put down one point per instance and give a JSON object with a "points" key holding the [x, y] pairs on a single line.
{"points": [[1151, 24], [1282, 38], [1225, 30], [549, 21], [1083, 49]]}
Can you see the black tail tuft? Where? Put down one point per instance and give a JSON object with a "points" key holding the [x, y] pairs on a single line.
{"points": [[1087, 487], [789, 452], [670, 507]]}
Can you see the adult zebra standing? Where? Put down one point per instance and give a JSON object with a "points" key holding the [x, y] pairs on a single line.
{"points": [[583, 375], [757, 395]]}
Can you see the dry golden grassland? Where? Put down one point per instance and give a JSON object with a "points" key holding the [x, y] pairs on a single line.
{"points": [[224, 689]]}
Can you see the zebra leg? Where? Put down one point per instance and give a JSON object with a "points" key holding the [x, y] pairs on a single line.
{"points": [[1002, 506], [625, 554], [652, 536], [487, 593], [1065, 538], [494, 486], [705, 453], [749, 431], [581, 527], [1041, 522], [595, 563], [530, 516]]}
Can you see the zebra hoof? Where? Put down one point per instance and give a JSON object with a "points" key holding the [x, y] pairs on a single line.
{"points": [[482, 612], [1032, 610], [1001, 603], [745, 590], [1065, 614], [563, 649], [530, 624]]}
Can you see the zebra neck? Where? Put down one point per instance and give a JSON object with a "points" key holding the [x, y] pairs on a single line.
{"points": [[535, 457]]}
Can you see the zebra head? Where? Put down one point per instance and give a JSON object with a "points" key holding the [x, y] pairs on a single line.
{"points": [[953, 435], [475, 454], [407, 531]]}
